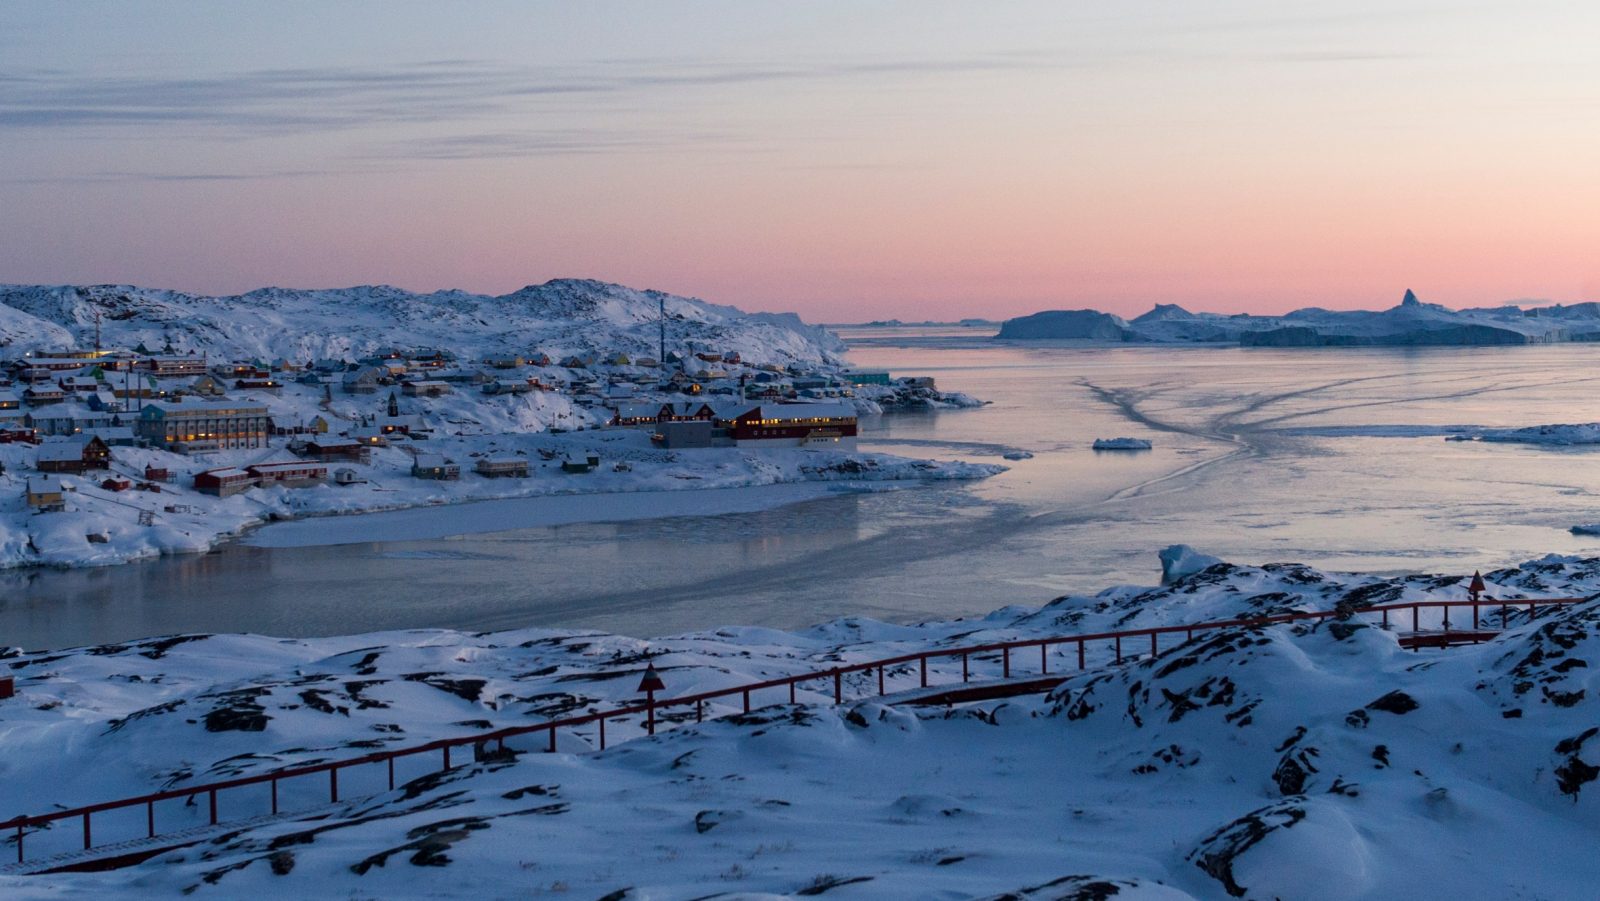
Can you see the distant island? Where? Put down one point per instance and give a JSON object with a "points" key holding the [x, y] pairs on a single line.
{"points": [[1411, 324]]}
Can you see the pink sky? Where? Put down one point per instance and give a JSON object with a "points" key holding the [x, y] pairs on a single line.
{"points": [[908, 160]]}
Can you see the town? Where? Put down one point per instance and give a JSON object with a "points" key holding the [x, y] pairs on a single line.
{"points": [[102, 429]]}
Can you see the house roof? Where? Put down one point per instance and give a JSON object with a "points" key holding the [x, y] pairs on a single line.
{"points": [[291, 465], [44, 485], [431, 461]]}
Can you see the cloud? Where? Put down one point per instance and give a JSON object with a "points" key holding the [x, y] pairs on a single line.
{"points": [[288, 101]]}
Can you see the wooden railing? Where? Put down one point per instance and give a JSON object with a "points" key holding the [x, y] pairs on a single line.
{"points": [[832, 678]]}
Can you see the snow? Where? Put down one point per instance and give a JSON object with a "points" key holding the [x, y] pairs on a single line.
{"points": [[1294, 761], [1410, 323], [560, 319], [1181, 560]]}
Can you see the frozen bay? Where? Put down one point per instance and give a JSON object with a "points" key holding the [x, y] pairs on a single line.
{"points": [[1333, 457]]}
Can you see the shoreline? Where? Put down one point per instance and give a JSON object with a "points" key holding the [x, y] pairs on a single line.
{"points": [[413, 513]]}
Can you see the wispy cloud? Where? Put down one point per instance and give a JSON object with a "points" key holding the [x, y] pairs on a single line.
{"points": [[277, 101]]}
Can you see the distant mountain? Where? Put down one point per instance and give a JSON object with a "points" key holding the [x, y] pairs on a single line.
{"points": [[1412, 323], [565, 316]]}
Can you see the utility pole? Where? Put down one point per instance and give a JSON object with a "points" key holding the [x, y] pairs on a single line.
{"points": [[661, 359], [97, 332]]}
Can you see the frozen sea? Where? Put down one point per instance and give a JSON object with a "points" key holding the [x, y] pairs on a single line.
{"points": [[1333, 457]]}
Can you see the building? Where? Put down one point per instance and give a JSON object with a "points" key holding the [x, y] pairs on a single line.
{"points": [[45, 494], [208, 386], [10, 401], [794, 425], [171, 366], [223, 482], [40, 395], [290, 474], [508, 386], [866, 377], [656, 412], [194, 426], [679, 435], [435, 466], [364, 381], [328, 448], [73, 455], [502, 467], [425, 387]]}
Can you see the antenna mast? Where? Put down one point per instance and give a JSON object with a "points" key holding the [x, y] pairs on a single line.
{"points": [[97, 331], [661, 358]]}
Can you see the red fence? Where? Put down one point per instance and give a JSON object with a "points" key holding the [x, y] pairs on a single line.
{"points": [[836, 676]]}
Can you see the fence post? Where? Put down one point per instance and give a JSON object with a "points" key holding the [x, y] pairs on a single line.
{"points": [[1119, 648], [21, 828], [602, 733], [275, 787], [1005, 663], [213, 794], [838, 687], [746, 694], [791, 691], [699, 711], [1080, 653], [1415, 620], [150, 817], [86, 831], [447, 757], [1044, 659], [924, 662], [333, 785], [964, 667], [1474, 617], [1152, 644], [552, 738], [880, 681]]}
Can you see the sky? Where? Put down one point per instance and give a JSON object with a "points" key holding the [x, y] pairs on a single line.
{"points": [[845, 160]]}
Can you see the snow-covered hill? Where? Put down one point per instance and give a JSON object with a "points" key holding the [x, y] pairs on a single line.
{"points": [[1305, 761], [1409, 324], [562, 317]]}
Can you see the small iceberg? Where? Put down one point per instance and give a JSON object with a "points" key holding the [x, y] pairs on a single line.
{"points": [[1017, 455], [1121, 444], [1180, 560], [1590, 529]]}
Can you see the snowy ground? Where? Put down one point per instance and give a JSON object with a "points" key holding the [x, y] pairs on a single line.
{"points": [[1293, 761]]}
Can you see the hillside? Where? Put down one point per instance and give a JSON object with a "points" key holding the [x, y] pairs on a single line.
{"points": [[1307, 761], [1411, 323], [561, 317]]}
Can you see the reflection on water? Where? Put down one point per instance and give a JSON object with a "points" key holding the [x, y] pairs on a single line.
{"points": [[1259, 455]]}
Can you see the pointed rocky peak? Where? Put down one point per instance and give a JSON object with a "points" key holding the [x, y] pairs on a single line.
{"points": [[1163, 311], [1410, 300]]}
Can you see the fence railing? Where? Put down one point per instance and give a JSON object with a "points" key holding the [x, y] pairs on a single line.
{"points": [[834, 678]]}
